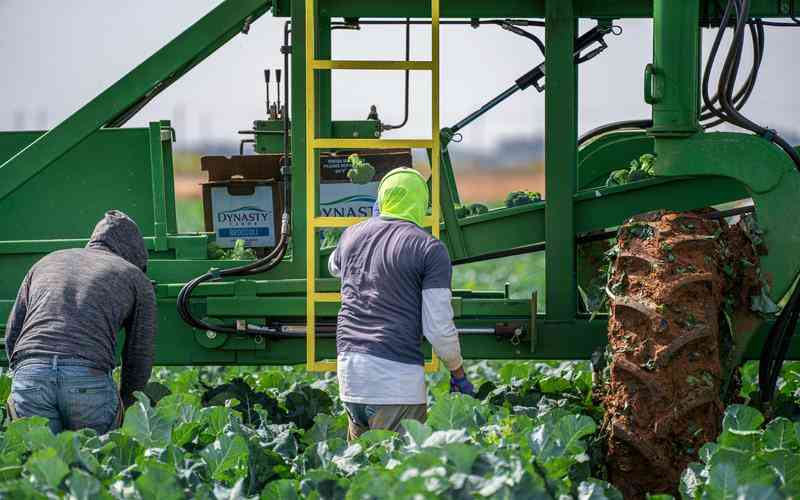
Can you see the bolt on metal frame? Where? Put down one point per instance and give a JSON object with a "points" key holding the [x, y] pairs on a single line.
{"points": [[314, 144]]}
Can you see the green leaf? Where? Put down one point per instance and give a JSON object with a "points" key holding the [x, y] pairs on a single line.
{"points": [[554, 385], [149, 427], [416, 431], [787, 467], [124, 450], [743, 441], [263, 465], [83, 486], [722, 482], [457, 411], [441, 438], [564, 438], [305, 403], [31, 433], [594, 489], [692, 481], [742, 418], [21, 489], [326, 427], [780, 434], [758, 492], [5, 387], [216, 419], [763, 304], [461, 455], [158, 480], [224, 454], [282, 489], [324, 484], [46, 467]]}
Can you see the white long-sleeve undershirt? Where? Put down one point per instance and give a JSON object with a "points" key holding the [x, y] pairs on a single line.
{"points": [[370, 379]]}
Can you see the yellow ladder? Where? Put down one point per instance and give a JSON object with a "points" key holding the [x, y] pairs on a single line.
{"points": [[313, 143]]}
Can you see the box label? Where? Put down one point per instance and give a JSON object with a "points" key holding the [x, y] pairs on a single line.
{"points": [[244, 217], [347, 200]]}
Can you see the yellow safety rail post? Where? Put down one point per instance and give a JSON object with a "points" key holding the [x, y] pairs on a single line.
{"points": [[314, 143]]}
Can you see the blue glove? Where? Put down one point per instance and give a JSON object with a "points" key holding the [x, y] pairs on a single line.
{"points": [[462, 385]]}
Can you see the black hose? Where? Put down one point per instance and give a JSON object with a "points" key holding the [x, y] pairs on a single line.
{"points": [[610, 127], [779, 338], [407, 80], [270, 260]]}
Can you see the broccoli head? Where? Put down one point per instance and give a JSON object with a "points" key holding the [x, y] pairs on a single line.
{"points": [[517, 198], [360, 172]]}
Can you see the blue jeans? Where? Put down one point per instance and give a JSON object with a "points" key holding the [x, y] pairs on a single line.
{"points": [[69, 392]]}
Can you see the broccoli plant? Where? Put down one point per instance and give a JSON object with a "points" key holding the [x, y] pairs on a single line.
{"points": [[361, 171], [642, 168], [517, 198], [330, 238], [238, 252]]}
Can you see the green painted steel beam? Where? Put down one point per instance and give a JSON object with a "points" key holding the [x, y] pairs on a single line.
{"points": [[561, 162], [169, 63], [518, 8], [557, 340], [672, 81], [594, 209]]}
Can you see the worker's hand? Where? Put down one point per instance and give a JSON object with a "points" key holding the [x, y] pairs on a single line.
{"points": [[461, 384]]}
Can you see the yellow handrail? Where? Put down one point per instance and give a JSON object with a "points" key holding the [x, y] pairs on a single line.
{"points": [[314, 143]]}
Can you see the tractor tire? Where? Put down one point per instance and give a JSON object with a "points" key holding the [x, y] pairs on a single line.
{"points": [[662, 396]]}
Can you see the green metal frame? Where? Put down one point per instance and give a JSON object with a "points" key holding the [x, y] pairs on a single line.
{"points": [[57, 183]]}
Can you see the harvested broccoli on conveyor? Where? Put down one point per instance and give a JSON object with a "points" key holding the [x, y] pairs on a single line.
{"points": [[361, 171], [517, 198], [471, 209], [642, 168]]}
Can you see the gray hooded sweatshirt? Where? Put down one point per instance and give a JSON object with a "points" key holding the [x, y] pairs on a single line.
{"points": [[73, 302]]}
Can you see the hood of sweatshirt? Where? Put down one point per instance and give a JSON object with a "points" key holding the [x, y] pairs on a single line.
{"points": [[119, 234]]}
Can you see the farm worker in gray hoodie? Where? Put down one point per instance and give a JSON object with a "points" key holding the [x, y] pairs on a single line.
{"points": [[61, 335], [395, 290]]}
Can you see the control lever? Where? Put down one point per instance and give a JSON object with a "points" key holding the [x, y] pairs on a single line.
{"points": [[266, 81], [278, 86]]}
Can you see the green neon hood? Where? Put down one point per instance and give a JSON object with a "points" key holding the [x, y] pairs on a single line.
{"points": [[403, 194]]}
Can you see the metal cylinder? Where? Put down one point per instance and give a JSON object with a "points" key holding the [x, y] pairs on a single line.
{"points": [[672, 81]]}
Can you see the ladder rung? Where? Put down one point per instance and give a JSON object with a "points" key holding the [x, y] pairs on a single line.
{"points": [[327, 297], [337, 221], [372, 65], [371, 143], [322, 366]]}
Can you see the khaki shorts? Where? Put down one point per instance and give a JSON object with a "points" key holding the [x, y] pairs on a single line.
{"points": [[366, 417]]}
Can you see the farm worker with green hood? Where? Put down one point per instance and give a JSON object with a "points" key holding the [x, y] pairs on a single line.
{"points": [[61, 336], [395, 290]]}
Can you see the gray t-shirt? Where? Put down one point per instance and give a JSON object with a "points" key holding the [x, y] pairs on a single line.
{"points": [[385, 264]]}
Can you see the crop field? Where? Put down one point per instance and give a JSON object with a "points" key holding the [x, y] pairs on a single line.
{"points": [[279, 433], [536, 430]]}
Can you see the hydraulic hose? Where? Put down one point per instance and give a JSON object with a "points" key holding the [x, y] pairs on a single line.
{"points": [[274, 257], [778, 341], [709, 110]]}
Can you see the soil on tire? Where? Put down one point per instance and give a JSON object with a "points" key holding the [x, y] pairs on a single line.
{"points": [[667, 365]]}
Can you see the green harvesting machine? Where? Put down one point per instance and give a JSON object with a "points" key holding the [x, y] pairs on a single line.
{"points": [[280, 307]]}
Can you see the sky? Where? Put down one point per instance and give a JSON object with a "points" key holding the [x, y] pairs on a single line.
{"points": [[58, 55]]}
